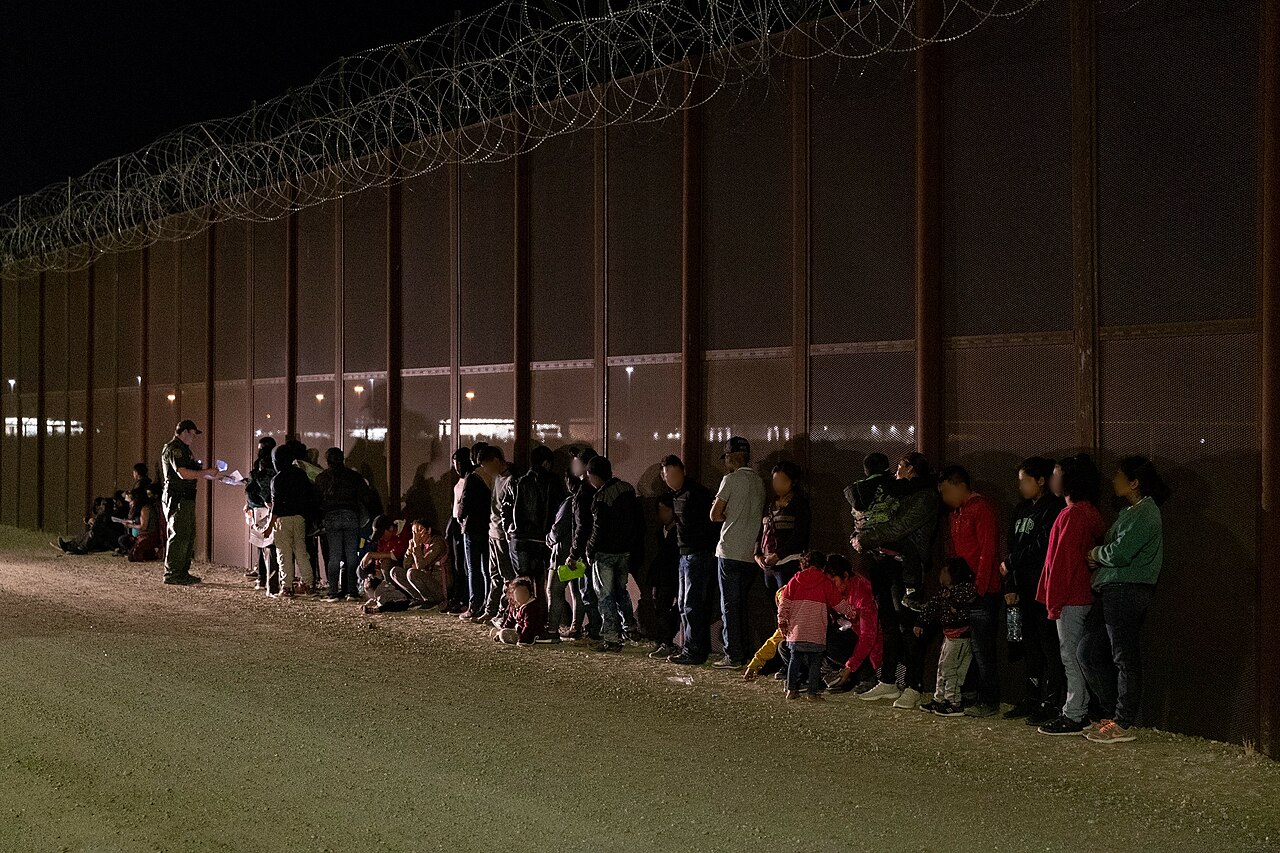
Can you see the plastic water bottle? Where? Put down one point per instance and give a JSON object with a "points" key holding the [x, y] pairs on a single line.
{"points": [[1014, 623]]}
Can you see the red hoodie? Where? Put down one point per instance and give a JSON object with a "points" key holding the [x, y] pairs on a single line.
{"points": [[975, 537], [866, 623], [802, 612], [1066, 577]]}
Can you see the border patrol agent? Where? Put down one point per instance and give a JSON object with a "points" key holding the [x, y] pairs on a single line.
{"points": [[179, 474]]}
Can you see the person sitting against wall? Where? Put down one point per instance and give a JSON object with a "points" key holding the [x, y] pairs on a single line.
{"points": [[424, 574], [101, 533], [142, 543]]}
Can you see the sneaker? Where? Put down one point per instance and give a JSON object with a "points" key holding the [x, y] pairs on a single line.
{"points": [[947, 709], [1112, 732], [685, 659], [481, 619], [908, 700], [780, 675], [881, 691], [1062, 726], [607, 646], [548, 640], [980, 709], [727, 662], [792, 694], [496, 621], [182, 580], [465, 616], [661, 651], [251, 574], [259, 586], [1097, 724], [334, 598], [300, 588], [1025, 708], [1042, 715], [354, 598], [814, 697], [932, 706]]}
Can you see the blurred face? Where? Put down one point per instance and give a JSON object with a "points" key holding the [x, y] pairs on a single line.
{"points": [[1055, 482], [1124, 487], [782, 484], [944, 576], [1029, 487], [842, 584], [905, 471], [673, 476], [419, 532], [520, 595], [577, 467], [666, 514], [953, 495]]}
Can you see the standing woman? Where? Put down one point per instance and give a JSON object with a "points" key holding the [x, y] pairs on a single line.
{"points": [[257, 494], [1064, 587], [1126, 568], [785, 528]]}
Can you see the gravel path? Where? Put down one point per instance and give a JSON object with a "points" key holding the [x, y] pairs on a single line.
{"points": [[143, 717]]}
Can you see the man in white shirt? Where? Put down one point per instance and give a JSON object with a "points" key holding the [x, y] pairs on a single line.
{"points": [[739, 505]]}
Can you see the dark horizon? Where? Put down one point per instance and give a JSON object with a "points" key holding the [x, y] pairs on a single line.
{"points": [[80, 85]]}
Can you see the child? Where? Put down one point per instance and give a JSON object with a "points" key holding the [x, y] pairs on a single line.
{"points": [[664, 581], [950, 608], [524, 616], [768, 651], [425, 573], [383, 597], [868, 643], [384, 545], [803, 614]]}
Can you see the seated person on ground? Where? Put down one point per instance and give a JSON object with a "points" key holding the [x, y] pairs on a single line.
{"points": [[524, 615], [380, 596]]}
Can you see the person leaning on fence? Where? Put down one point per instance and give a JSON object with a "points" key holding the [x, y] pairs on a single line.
{"points": [[179, 472]]}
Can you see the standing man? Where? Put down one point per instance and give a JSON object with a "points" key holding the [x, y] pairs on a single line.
{"points": [[617, 529], [696, 538], [495, 465], [528, 508], [739, 506], [179, 471]]}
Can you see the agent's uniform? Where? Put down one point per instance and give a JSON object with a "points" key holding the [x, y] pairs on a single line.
{"points": [[179, 508]]}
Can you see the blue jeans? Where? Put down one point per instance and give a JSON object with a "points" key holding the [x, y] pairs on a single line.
{"points": [[476, 550], [607, 571], [695, 621], [804, 659], [735, 585], [531, 560], [342, 541], [984, 621], [1110, 652]]}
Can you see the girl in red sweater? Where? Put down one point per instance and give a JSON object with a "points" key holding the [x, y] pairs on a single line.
{"points": [[1065, 588], [803, 614]]}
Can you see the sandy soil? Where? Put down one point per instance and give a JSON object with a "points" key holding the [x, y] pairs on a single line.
{"points": [[143, 717]]}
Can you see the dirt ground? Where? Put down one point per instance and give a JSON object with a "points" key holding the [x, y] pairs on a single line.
{"points": [[143, 717]]}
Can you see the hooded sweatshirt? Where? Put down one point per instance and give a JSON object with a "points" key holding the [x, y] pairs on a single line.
{"points": [[1029, 530], [803, 608], [616, 526], [975, 536]]}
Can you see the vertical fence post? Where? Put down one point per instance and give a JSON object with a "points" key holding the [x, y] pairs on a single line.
{"points": [[691, 355], [395, 343], [41, 382], [801, 245], [1268, 627], [522, 405], [1084, 231], [930, 425]]}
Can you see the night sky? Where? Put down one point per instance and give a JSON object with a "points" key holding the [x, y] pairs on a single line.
{"points": [[82, 82]]}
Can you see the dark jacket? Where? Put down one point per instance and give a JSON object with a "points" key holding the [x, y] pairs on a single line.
{"points": [[949, 607], [664, 568], [292, 493], [785, 530], [257, 489], [529, 505], [617, 523], [341, 488], [1029, 542], [912, 528], [695, 531], [560, 536], [476, 496], [528, 620], [582, 519]]}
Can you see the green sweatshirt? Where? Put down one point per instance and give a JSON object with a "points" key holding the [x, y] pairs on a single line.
{"points": [[1134, 547]]}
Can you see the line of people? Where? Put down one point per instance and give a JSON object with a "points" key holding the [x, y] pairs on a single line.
{"points": [[540, 559]]}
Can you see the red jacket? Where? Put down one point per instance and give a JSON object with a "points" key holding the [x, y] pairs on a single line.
{"points": [[866, 623], [1066, 577], [975, 537], [802, 612]]}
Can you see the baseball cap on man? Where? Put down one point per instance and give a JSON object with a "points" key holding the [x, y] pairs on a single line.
{"points": [[736, 444], [185, 425]]}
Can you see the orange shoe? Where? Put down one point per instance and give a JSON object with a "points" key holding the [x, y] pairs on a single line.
{"points": [[1112, 732]]}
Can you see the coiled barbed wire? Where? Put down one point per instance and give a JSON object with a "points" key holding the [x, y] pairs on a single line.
{"points": [[484, 88]]}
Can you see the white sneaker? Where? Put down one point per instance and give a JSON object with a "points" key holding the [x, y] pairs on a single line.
{"points": [[908, 701], [881, 691]]}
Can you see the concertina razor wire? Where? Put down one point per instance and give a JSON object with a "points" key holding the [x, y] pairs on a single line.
{"points": [[481, 89]]}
